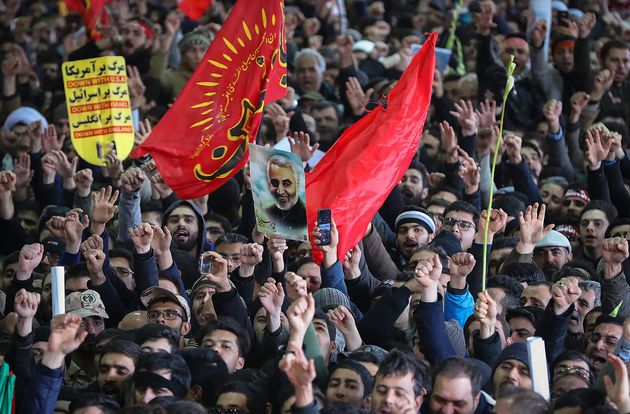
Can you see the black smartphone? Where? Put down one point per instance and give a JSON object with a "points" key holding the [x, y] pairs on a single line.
{"points": [[562, 15], [323, 222]]}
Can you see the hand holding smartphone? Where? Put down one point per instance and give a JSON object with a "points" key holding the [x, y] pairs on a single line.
{"points": [[205, 263], [323, 223]]}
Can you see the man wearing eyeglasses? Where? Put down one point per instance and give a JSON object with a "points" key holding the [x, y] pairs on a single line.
{"points": [[460, 218], [167, 308]]}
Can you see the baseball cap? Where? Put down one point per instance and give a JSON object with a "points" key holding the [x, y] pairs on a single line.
{"points": [[85, 304], [365, 46], [152, 294], [313, 96], [200, 283], [554, 239], [377, 351]]}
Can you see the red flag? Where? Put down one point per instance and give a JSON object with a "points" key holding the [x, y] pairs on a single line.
{"points": [[202, 140], [356, 175], [93, 13], [194, 9]]}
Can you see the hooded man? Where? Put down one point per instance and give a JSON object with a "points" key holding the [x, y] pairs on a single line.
{"points": [[188, 228]]}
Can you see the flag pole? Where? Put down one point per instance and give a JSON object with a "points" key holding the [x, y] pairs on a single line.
{"points": [[508, 87]]}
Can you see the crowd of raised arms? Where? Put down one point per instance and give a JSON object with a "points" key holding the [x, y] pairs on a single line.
{"points": [[406, 321]]}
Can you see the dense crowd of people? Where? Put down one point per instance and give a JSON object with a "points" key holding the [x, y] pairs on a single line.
{"points": [[413, 319]]}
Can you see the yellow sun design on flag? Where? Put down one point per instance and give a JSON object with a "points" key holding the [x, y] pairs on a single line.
{"points": [[222, 68], [242, 54]]}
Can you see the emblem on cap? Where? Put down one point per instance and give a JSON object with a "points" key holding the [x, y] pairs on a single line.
{"points": [[88, 298]]}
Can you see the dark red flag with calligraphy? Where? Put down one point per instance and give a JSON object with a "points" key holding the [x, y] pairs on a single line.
{"points": [[202, 140], [194, 9], [355, 176], [93, 13]]}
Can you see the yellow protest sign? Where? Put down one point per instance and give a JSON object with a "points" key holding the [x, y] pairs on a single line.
{"points": [[99, 110]]}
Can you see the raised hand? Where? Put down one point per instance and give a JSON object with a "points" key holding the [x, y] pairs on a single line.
{"points": [[114, 167], [10, 66], [586, 24], [356, 97], [95, 259], [614, 252], [603, 81], [512, 145], [351, 263], [533, 230], [83, 179], [159, 186], [485, 18], [552, 111], [570, 28], [487, 114], [449, 140], [300, 315], [50, 142], [66, 335], [436, 179], [311, 26], [219, 276], [564, 293], [132, 180], [161, 241], [141, 236], [73, 226], [596, 149], [104, 205], [94, 242], [58, 161], [579, 101], [468, 119], [460, 267], [539, 33], [498, 220], [23, 172], [487, 141], [142, 133], [343, 320], [272, 296], [135, 85], [299, 370], [30, 257], [334, 239], [469, 172], [56, 227], [486, 312], [25, 303], [251, 254], [279, 118], [300, 145], [277, 246], [618, 391], [296, 286], [427, 274], [7, 181]]}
